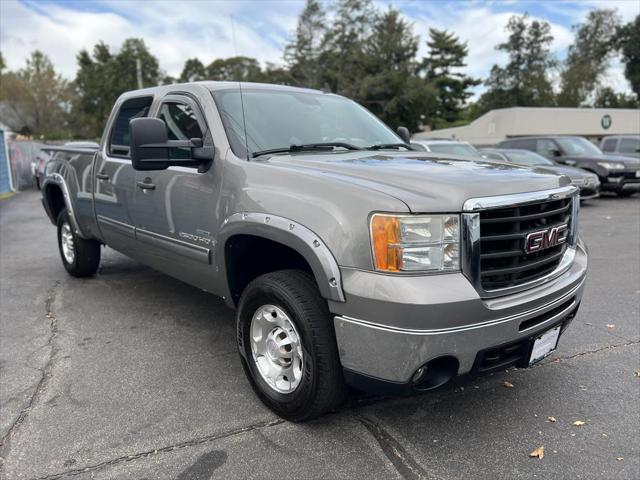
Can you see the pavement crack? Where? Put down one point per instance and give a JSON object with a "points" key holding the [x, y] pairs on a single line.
{"points": [[403, 461], [168, 448], [591, 352], [45, 372]]}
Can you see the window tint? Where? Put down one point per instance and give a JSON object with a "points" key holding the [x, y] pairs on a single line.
{"points": [[524, 143], [119, 140], [494, 156], [546, 147], [609, 145], [630, 145], [182, 124]]}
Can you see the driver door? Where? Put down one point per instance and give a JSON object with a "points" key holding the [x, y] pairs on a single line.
{"points": [[175, 208]]}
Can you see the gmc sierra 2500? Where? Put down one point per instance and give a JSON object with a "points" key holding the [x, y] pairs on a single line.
{"points": [[348, 257]]}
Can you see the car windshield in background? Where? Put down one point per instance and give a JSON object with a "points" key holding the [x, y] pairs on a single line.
{"points": [[528, 158], [578, 146], [455, 149], [278, 119]]}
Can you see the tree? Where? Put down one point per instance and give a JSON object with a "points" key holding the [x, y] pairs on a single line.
{"points": [[525, 80], [342, 61], [240, 69], [606, 97], [588, 57], [442, 65], [628, 41], [391, 87], [37, 97], [303, 53], [102, 77], [193, 71]]}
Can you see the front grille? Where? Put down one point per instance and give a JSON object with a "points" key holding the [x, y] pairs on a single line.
{"points": [[503, 261]]}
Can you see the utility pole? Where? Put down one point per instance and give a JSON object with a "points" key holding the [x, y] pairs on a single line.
{"points": [[139, 72]]}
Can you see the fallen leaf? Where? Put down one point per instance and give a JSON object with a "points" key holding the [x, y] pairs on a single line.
{"points": [[578, 423], [552, 419], [636, 373], [610, 325], [508, 384], [619, 459], [538, 452], [605, 435]]}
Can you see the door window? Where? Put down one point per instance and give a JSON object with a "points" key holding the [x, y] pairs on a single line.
{"points": [[182, 124], [546, 147], [630, 145], [609, 145], [119, 145]]}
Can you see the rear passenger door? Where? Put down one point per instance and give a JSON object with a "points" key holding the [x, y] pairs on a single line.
{"points": [[175, 208], [114, 177]]}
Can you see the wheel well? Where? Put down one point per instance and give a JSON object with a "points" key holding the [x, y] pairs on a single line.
{"points": [[55, 200], [248, 256]]}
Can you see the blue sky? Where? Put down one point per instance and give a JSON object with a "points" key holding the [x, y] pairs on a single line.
{"points": [[175, 31]]}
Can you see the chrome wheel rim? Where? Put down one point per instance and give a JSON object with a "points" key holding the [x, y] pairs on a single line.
{"points": [[66, 240], [276, 349]]}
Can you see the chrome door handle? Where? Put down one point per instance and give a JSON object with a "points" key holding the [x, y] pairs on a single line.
{"points": [[102, 176], [146, 185]]}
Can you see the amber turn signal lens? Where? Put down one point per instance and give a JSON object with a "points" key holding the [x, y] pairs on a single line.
{"points": [[385, 232]]}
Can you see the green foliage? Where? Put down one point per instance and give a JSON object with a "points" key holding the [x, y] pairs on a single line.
{"points": [[588, 57], [102, 77], [606, 97], [240, 69], [36, 97], [628, 41], [193, 71], [302, 53], [525, 80], [445, 59]]}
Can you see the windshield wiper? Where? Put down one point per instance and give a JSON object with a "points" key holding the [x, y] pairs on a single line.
{"points": [[306, 147], [384, 146]]}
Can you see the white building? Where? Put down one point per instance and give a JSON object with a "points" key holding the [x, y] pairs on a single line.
{"points": [[498, 125]]}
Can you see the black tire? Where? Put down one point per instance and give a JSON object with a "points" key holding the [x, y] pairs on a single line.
{"points": [[86, 252], [321, 387]]}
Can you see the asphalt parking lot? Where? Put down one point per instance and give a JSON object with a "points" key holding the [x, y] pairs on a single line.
{"points": [[135, 375]]}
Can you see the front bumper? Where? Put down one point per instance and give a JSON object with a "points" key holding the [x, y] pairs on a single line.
{"points": [[390, 326], [627, 181]]}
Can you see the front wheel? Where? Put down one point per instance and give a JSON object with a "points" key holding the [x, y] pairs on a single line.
{"points": [[288, 347], [80, 257]]}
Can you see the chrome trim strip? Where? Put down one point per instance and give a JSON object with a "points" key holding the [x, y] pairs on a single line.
{"points": [[463, 328], [505, 201], [119, 227], [470, 235], [178, 247]]}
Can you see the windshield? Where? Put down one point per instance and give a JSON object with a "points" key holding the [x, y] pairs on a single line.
{"points": [[455, 149], [578, 146], [280, 118], [528, 158]]}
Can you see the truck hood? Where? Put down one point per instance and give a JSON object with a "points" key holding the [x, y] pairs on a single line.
{"points": [[425, 182], [571, 172]]}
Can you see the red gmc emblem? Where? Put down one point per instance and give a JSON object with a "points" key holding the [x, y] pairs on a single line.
{"points": [[536, 241]]}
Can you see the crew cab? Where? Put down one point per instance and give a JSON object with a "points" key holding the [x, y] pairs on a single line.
{"points": [[348, 257], [617, 173]]}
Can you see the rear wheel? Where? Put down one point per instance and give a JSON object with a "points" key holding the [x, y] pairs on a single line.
{"points": [[80, 257], [288, 345]]}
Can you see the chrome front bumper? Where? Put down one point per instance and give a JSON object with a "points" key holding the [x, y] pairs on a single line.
{"points": [[390, 326]]}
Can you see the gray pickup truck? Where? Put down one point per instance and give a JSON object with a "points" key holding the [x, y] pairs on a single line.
{"points": [[349, 258]]}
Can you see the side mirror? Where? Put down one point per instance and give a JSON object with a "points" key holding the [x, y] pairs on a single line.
{"points": [[404, 133], [150, 147], [555, 152]]}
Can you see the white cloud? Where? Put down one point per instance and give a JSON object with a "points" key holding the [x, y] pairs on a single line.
{"points": [[173, 31]]}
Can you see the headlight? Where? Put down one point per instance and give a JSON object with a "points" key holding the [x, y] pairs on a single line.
{"points": [[412, 243], [611, 165]]}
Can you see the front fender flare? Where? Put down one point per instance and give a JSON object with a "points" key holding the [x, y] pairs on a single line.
{"points": [[292, 234]]}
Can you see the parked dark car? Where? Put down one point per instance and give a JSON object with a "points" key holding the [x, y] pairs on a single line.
{"points": [[587, 182], [627, 145], [616, 173]]}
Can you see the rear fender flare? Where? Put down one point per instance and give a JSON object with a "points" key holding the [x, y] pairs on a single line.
{"points": [[59, 181]]}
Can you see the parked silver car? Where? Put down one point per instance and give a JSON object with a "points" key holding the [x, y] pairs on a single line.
{"points": [[626, 145], [587, 182]]}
